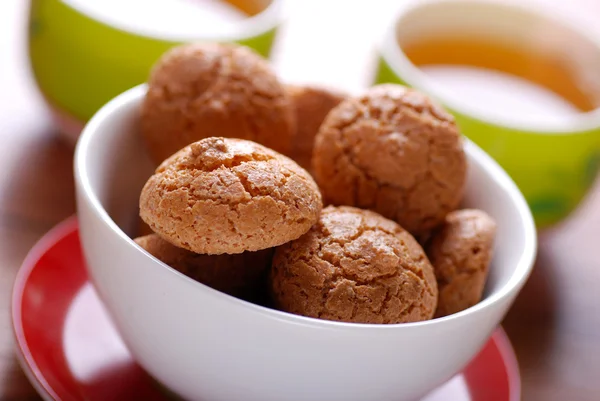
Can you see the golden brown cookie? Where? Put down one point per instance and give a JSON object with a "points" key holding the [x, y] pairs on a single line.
{"points": [[240, 275], [203, 90], [223, 195], [311, 105], [395, 151], [460, 252], [354, 266]]}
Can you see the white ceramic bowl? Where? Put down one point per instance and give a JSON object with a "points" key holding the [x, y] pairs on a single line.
{"points": [[205, 345]]}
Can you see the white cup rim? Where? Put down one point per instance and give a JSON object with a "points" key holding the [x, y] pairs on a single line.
{"points": [[253, 26], [518, 276], [397, 60]]}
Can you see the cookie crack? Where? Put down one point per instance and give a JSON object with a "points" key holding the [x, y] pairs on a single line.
{"points": [[386, 300], [339, 271], [422, 279], [250, 189], [358, 281], [410, 307], [347, 152], [201, 96], [229, 163], [196, 166]]}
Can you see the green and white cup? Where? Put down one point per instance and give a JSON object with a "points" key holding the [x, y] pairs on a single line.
{"points": [[554, 162], [85, 52]]}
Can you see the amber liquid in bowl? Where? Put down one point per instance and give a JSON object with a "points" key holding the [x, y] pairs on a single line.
{"points": [[501, 80]]}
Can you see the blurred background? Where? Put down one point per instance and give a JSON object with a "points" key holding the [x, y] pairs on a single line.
{"points": [[554, 325]]}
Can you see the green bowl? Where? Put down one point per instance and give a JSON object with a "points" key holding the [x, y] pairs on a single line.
{"points": [[81, 60], [553, 164]]}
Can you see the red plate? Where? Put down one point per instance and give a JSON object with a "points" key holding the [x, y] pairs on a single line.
{"points": [[70, 350]]}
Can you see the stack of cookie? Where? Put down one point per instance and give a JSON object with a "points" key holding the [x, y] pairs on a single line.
{"points": [[232, 203]]}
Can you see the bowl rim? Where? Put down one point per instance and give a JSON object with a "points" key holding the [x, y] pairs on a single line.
{"points": [[493, 170], [393, 55], [251, 27]]}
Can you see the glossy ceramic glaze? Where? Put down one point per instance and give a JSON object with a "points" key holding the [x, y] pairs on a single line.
{"points": [[71, 351], [553, 163], [203, 344]]}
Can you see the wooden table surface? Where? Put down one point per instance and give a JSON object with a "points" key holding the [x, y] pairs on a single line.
{"points": [[554, 325]]}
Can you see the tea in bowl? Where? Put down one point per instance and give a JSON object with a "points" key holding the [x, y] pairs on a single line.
{"points": [[521, 82]]}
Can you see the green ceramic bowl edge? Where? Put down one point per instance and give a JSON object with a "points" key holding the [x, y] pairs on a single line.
{"points": [[554, 171], [79, 63]]}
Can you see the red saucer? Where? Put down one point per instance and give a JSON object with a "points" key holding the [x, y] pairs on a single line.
{"points": [[70, 350]]}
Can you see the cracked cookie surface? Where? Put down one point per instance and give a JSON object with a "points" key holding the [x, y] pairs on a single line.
{"points": [[392, 150], [204, 90], [240, 275], [354, 266], [460, 252], [311, 105], [223, 195]]}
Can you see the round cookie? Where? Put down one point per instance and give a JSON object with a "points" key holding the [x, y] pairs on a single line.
{"points": [[223, 195], [460, 252], [239, 275], [311, 105], [354, 266], [395, 151], [203, 90]]}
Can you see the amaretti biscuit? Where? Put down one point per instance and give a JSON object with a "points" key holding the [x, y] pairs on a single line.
{"points": [[223, 195], [202, 90], [461, 252], [354, 266], [395, 151], [241, 275], [311, 104]]}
